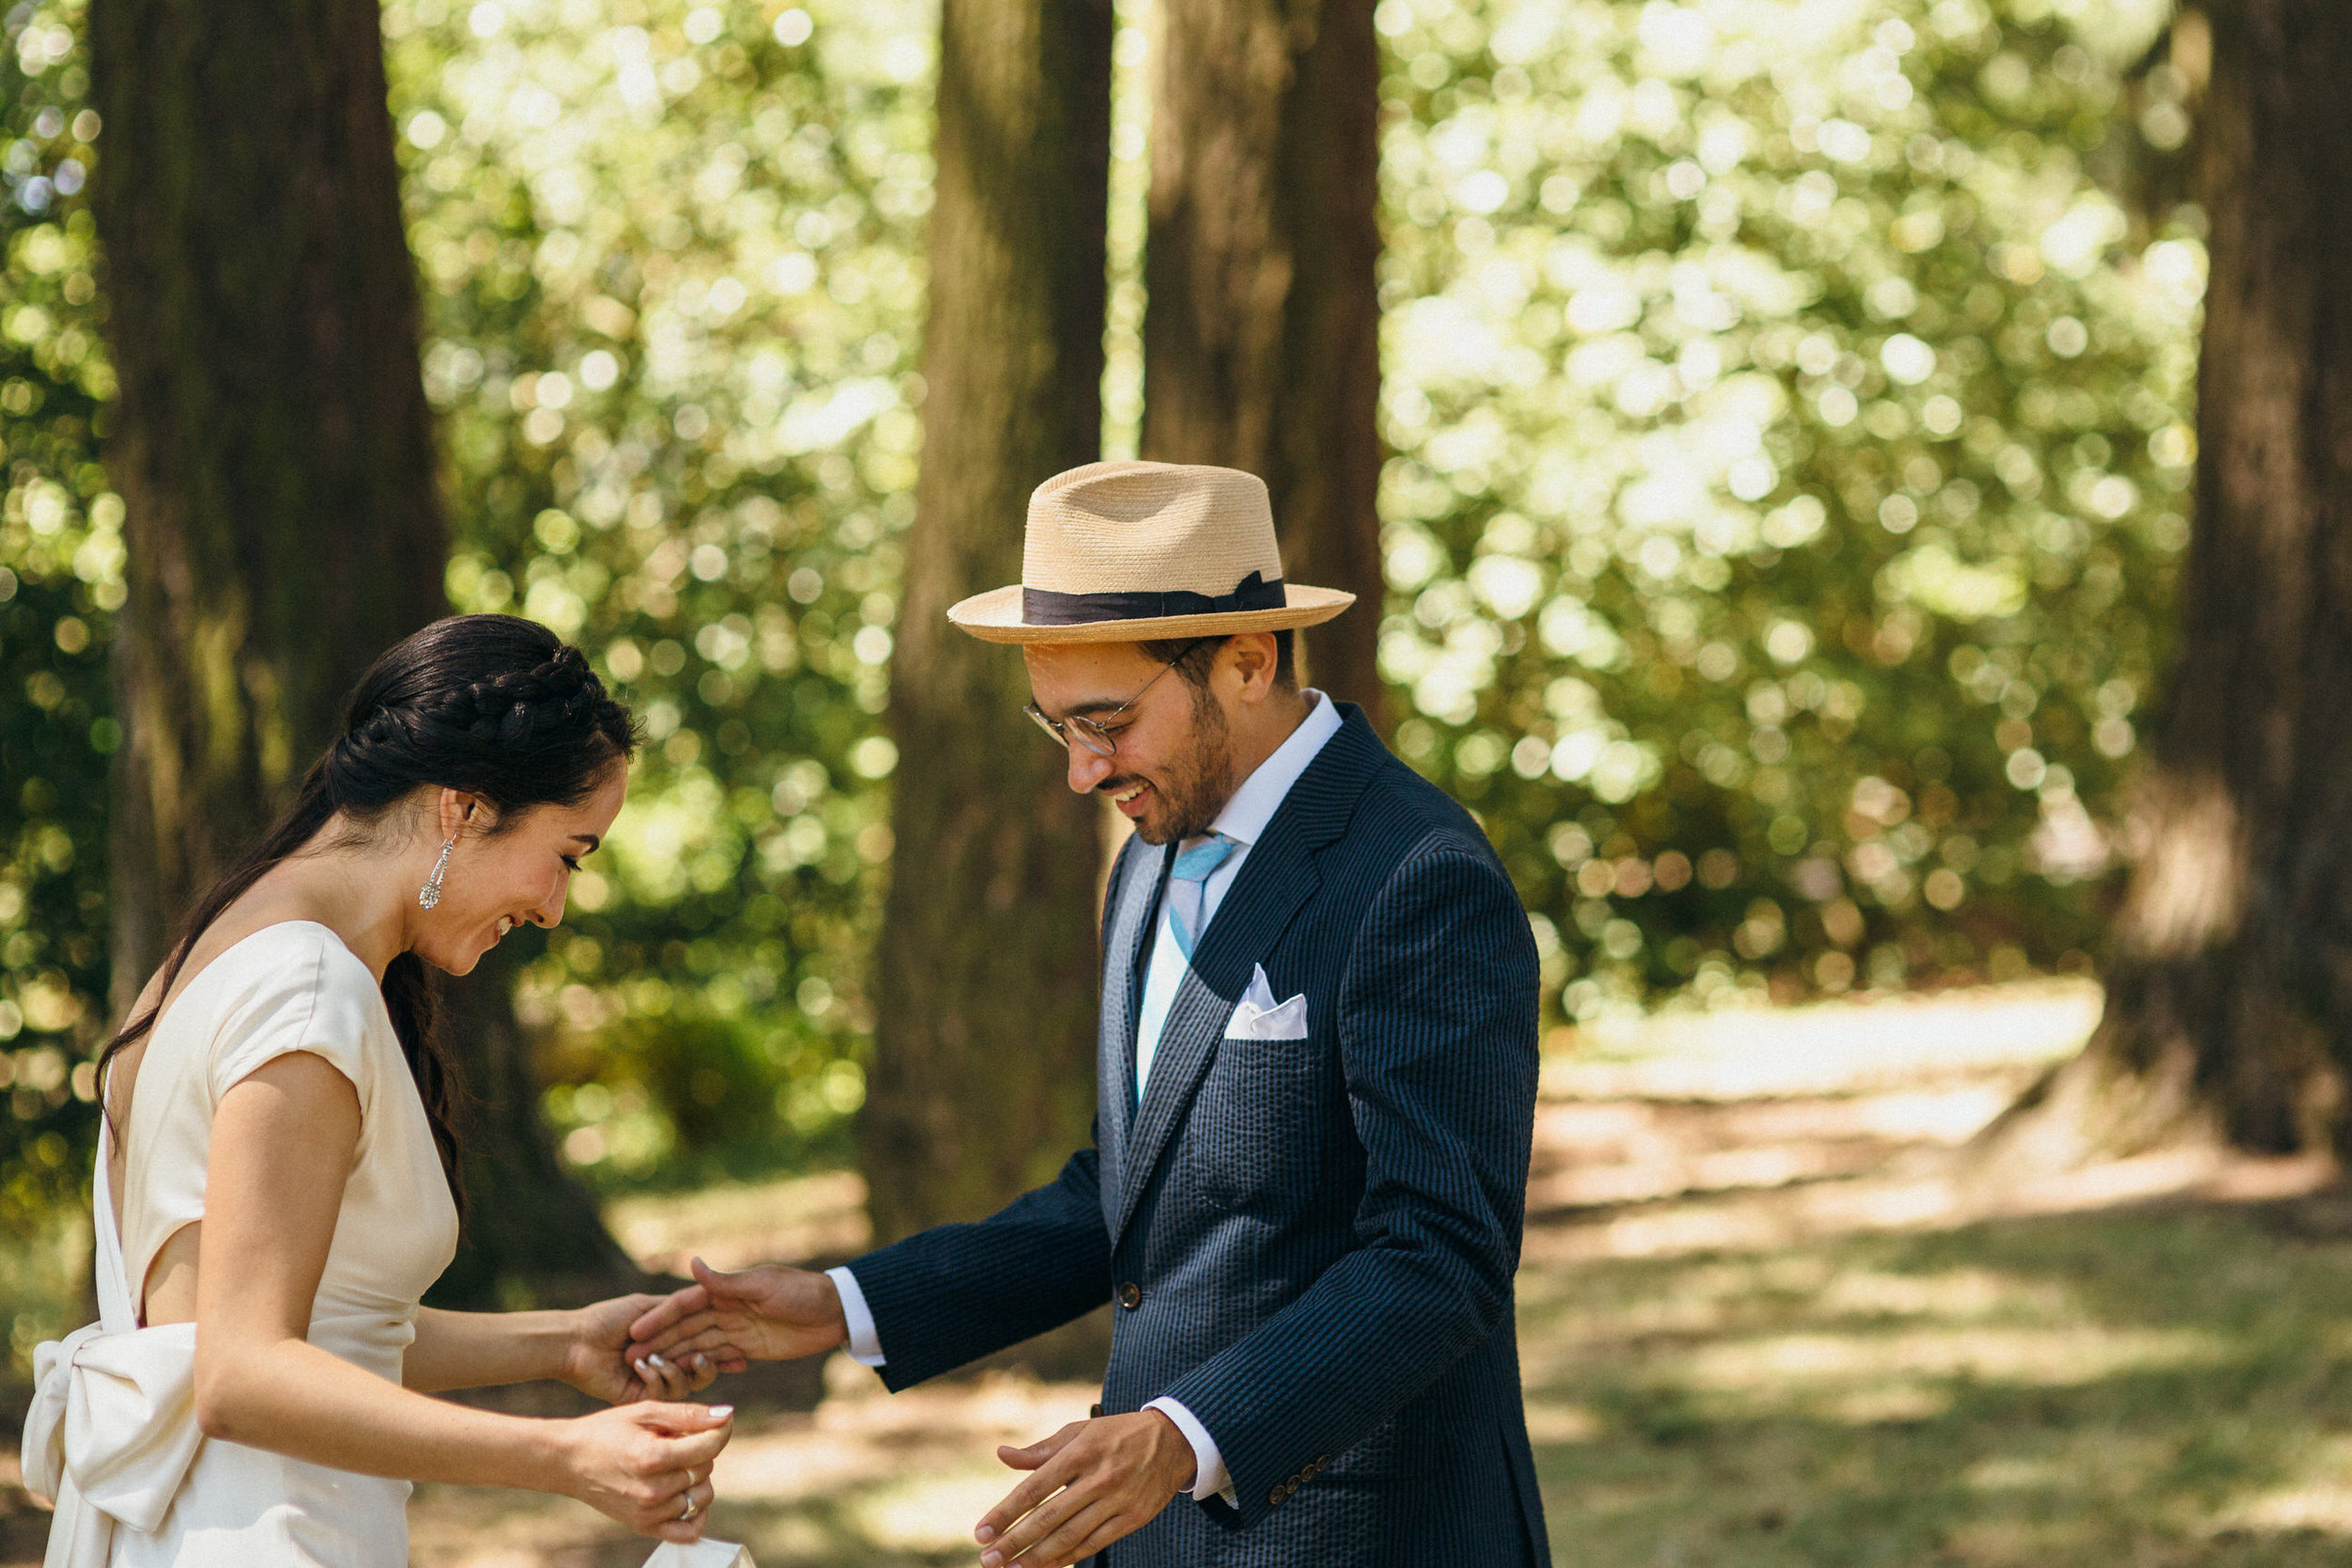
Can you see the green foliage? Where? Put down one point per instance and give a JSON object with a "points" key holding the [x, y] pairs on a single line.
{"points": [[674, 292], [1792, 438], [60, 580]]}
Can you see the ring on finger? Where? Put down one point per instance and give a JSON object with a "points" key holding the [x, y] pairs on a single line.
{"points": [[690, 1508]]}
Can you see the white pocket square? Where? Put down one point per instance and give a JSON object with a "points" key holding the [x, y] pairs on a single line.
{"points": [[1258, 1016]]}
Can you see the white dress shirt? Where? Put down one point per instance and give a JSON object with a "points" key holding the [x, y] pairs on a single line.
{"points": [[1243, 820]]}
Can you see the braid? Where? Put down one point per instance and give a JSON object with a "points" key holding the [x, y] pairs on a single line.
{"points": [[358, 750], [516, 706]]}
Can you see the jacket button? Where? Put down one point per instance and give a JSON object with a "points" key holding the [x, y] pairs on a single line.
{"points": [[1131, 1295], [1274, 1497]]}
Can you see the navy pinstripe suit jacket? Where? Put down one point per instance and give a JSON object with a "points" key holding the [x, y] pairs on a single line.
{"points": [[1323, 1232]]}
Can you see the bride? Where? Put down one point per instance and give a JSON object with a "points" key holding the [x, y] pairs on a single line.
{"points": [[273, 1182]]}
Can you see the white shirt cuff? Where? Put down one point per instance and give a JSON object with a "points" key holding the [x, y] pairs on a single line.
{"points": [[1209, 1479], [864, 1344]]}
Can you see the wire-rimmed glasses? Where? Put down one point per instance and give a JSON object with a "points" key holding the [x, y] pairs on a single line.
{"points": [[1094, 734]]}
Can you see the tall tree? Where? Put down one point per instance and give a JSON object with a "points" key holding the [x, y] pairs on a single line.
{"points": [[2230, 981], [1260, 334], [271, 442], [983, 1049], [273, 451]]}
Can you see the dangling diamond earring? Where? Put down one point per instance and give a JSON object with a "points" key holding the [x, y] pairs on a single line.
{"points": [[430, 894]]}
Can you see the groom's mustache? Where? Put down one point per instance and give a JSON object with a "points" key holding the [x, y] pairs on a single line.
{"points": [[1113, 786]]}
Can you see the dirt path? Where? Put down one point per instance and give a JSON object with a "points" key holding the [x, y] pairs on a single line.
{"points": [[1762, 1323]]}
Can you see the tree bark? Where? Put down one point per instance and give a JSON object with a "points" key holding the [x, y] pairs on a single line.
{"points": [[533, 1235], [271, 440], [2230, 976], [984, 1039], [1260, 333], [274, 451]]}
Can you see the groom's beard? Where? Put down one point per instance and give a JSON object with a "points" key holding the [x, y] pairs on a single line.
{"points": [[1195, 786]]}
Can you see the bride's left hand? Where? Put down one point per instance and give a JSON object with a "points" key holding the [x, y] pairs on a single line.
{"points": [[594, 1362]]}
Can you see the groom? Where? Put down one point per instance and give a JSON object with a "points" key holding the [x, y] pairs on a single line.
{"points": [[1316, 1091]]}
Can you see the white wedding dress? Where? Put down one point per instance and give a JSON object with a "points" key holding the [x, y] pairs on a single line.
{"points": [[112, 1434]]}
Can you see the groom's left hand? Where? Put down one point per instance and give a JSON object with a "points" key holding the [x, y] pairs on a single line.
{"points": [[1089, 1485]]}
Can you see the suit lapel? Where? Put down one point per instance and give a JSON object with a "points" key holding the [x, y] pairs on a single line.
{"points": [[1114, 1068], [1276, 880]]}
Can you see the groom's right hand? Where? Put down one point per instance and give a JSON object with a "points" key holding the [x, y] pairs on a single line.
{"points": [[769, 1313]]}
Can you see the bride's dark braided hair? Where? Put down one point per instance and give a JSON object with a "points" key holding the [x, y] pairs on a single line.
{"points": [[495, 706]]}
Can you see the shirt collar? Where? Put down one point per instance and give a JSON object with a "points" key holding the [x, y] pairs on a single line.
{"points": [[1253, 805]]}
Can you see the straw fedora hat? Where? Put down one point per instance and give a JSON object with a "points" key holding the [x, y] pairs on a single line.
{"points": [[1129, 553]]}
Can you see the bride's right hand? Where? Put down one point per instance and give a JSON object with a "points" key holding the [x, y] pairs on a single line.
{"points": [[648, 1465]]}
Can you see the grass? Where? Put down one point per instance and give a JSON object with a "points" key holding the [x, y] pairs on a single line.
{"points": [[1758, 1330], [2153, 1387]]}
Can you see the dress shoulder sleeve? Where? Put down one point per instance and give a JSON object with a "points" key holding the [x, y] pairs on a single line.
{"points": [[304, 991]]}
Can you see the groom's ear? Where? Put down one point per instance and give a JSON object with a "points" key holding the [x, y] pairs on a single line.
{"points": [[1256, 660]]}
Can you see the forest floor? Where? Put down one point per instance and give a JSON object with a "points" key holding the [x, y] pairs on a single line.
{"points": [[1764, 1322]]}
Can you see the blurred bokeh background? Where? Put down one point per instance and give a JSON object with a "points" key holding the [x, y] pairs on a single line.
{"points": [[1786, 440], [1788, 425]]}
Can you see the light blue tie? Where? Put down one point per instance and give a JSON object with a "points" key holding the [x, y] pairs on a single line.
{"points": [[1187, 886]]}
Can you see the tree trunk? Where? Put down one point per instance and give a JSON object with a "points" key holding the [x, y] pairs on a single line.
{"points": [[271, 440], [2229, 979], [534, 1236], [1261, 334], [984, 1040], [273, 451]]}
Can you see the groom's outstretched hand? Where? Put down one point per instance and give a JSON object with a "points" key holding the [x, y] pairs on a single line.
{"points": [[769, 1313], [1089, 1485]]}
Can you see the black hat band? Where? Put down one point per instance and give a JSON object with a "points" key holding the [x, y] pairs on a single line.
{"points": [[1042, 606]]}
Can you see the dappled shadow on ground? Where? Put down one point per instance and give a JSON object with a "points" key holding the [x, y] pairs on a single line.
{"points": [[1803, 1334], [866, 1479], [2169, 1386], [1766, 1320]]}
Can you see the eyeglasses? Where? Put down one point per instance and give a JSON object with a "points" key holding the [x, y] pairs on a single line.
{"points": [[1094, 734]]}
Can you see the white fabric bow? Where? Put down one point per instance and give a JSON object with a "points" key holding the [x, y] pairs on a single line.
{"points": [[111, 1433]]}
